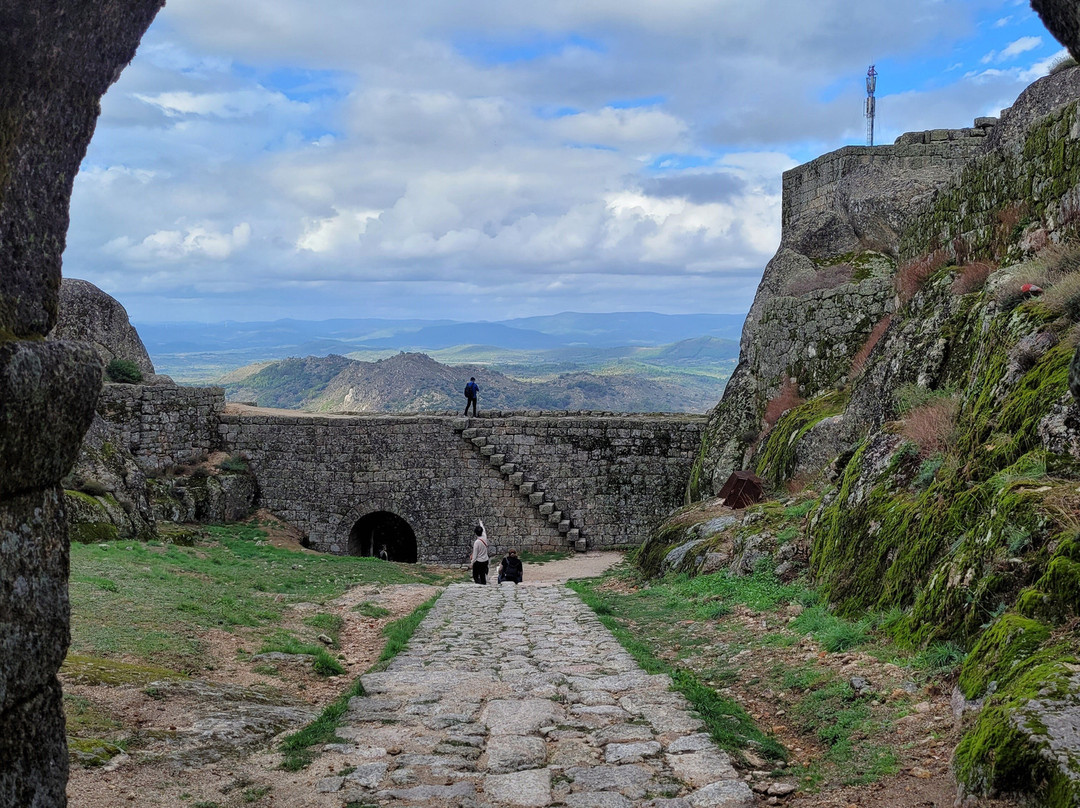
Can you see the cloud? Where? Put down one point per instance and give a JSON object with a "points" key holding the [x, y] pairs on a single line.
{"points": [[264, 156]]}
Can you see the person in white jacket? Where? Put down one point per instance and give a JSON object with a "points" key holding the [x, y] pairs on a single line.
{"points": [[480, 555]]}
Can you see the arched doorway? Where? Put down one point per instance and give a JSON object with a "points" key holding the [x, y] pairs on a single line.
{"points": [[383, 529]]}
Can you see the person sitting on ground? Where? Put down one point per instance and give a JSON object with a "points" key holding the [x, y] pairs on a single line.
{"points": [[510, 569]]}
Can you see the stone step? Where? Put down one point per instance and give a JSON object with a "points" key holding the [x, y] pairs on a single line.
{"points": [[564, 526], [470, 433], [458, 424], [508, 469], [517, 478], [487, 451], [555, 517], [573, 534], [546, 508], [496, 459], [527, 488], [480, 441], [580, 545], [537, 498]]}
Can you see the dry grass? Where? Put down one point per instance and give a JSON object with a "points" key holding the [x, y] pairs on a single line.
{"points": [[827, 278], [931, 425], [783, 401], [972, 277], [858, 362], [912, 275], [1064, 297]]}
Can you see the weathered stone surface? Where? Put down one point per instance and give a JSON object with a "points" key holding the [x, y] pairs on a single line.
{"points": [[505, 717], [511, 753], [47, 393], [87, 314], [597, 800], [1062, 19], [701, 768], [726, 794], [528, 788], [630, 752]]}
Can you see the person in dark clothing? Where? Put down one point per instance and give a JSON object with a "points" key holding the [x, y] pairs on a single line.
{"points": [[471, 390], [510, 569]]}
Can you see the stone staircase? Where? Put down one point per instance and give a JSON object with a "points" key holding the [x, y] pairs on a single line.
{"points": [[556, 514]]}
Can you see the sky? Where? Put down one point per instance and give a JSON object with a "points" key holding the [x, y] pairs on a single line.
{"points": [[485, 159]]}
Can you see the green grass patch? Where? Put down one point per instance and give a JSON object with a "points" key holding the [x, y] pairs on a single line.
{"points": [[372, 610], [155, 602], [399, 631], [298, 746], [529, 557], [728, 724], [833, 632], [322, 662], [330, 623]]}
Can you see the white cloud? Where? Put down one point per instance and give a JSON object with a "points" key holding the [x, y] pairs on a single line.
{"points": [[177, 245]]}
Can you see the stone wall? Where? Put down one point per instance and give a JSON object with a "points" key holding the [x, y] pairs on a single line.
{"points": [[617, 475], [163, 425], [1029, 181]]}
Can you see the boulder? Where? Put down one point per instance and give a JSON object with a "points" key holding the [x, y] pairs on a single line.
{"points": [[87, 314], [1062, 19]]}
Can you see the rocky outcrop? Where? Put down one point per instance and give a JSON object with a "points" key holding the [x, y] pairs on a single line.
{"points": [[949, 453], [87, 314], [57, 58], [1062, 18]]}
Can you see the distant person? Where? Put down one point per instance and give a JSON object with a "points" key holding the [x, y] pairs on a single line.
{"points": [[480, 556], [383, 554], [471, 391], [510, 569]]}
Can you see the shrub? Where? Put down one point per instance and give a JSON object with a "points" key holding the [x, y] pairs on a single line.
{"points": [[971, 277], [911, 275], [927, 472], [784, 400], [909, 396], [93, 488], [1062, 63], [123, 371], [858, 362], [931, 425], [826, 278], [1064, 297], [233, 463]]}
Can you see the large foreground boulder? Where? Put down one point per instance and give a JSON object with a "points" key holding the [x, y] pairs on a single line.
{"points": [[57, 58]]}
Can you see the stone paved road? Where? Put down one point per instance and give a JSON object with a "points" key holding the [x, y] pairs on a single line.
{"points": [[518, 696]]}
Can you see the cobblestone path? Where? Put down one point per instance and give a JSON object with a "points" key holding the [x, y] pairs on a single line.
{"points": [[518, 696]]}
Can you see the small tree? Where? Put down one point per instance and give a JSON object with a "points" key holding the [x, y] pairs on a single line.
{"points": [[123, 371]]}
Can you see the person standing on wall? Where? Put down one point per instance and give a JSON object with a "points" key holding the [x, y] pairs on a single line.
{"points": [[471, 391], [480, 556]]}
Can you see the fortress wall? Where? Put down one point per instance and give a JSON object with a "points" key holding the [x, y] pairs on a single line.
{"points": [[617, 475], [322, 473], [163, 425], [1029, 183], [812, 188]]}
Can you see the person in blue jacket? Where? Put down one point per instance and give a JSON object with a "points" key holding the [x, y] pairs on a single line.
{"points": [[471, 390]]}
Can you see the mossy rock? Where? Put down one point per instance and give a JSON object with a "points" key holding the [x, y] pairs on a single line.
{"points": [[92, 670], [92, 752], [93, 532], [996, 656]]}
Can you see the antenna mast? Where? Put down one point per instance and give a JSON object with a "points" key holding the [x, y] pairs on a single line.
{"points": [[871, 105]]}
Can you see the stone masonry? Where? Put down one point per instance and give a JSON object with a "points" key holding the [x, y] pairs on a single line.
{"points": [[613, 477], [518, 696]]}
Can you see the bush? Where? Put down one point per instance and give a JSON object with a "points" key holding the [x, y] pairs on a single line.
{"points": [[1062, 63], [910, 396], [1064, 297], [233, 463], [858, 362], [912, 275], [784, 400], [931, 426], [971, 278], [123, 371]]}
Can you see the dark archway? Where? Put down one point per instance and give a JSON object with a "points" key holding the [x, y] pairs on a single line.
{"points": [[383, 529]]}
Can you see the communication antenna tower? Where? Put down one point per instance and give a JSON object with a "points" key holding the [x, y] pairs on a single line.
{"points": [[871, 105]]}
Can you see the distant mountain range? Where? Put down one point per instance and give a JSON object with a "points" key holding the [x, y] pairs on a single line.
{"points": [[413, 382], [321, 338]]}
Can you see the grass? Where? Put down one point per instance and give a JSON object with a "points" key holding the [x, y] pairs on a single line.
{"points": [[298, 746], [528, 557], [372, 610], [322, 662], [728, 723], [155, 602]]}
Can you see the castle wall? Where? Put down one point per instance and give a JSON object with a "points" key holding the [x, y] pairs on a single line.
{"points": [[614, 476], [163, 425]]}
